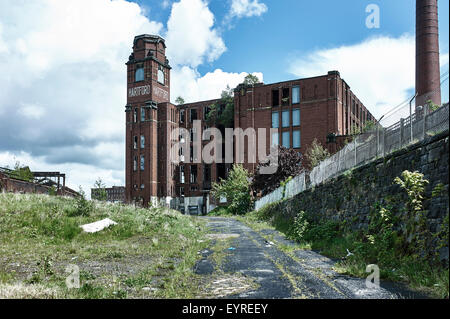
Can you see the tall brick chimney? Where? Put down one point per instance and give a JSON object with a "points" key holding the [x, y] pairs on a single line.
{"points": [[427, 52]]}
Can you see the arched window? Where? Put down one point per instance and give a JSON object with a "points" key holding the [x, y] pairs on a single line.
{"points": [[139, 74], [160, 74]]}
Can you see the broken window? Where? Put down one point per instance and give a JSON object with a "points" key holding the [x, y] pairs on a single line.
{"points": [[135, 142], [135, 163], [206, 110], [193, 174], [193, 114], [135, 115], [181, 116], [182, 174], [275, 98], [285, 96]]}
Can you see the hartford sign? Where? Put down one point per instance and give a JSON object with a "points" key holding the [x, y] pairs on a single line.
{"points": [[139, 90]]}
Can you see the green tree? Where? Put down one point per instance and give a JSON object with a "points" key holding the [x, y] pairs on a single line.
{"points": [[251, 79], [369, 126], [316, 153], [179, 101], [236, 189], [222, 112], [22, 172], [99, 192], [431, 106]]}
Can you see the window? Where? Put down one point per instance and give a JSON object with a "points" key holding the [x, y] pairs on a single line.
{"points": [[295, 94], [181, 191], [160, 74], [135, 115], [275, 139], [139, 74], [296, 139], [275, 98], [135, 142], [142, 141], [296, 117], [285, 119], [142, 186], [182, 175], [285, 96], [193, 175], [142, 162], [135, 163], [181, 116], [286, 139], [275, 119], [193, 114], [206, 110], [142, 114]]}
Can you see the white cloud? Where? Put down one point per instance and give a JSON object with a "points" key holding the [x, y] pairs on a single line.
{"points": [[186, 82], [380, 71], [63, 82], [62, 98], [191, 38], [32, 111], [247, 8]]}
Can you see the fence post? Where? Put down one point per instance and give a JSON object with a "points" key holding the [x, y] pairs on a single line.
{"points": [[402, 131], [384, 142], [378, 140], [424, 124], [354, 146]]}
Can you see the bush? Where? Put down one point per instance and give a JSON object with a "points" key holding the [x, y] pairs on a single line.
{"points": [[236, 189]]}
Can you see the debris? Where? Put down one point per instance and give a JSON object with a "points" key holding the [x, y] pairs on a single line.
{"points": [[349, 253], [231, 248], [98, 225], [268, 243]]}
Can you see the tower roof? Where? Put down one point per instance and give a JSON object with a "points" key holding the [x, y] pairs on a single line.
{"points": [[149, 38]]}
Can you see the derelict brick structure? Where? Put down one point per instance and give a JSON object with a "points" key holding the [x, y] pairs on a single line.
{"points": [[427, 53], [299, 110]]}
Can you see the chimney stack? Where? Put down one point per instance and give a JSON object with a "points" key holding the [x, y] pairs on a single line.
{"points": [[427, 53]]}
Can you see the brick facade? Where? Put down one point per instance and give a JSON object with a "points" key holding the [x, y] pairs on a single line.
{"points": [[305, 108]]}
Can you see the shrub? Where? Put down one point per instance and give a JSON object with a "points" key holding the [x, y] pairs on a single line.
{"points": [[236, 188]]}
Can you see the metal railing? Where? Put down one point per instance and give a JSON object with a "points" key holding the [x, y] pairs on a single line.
{"points": [[368, 146]]}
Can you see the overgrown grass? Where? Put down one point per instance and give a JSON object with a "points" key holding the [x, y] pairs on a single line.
{"points": [[374, 246], [149, 253]]}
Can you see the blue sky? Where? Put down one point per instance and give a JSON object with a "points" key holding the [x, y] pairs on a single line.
{"points": [[296, 27], [65, 60]]}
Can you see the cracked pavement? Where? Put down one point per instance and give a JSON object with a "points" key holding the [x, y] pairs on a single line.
{"points": [[303, 274]]}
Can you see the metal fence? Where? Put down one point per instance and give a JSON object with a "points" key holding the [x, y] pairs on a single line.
{"points": [[383, 139]]}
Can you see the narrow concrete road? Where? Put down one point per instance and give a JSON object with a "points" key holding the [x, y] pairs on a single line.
{"points": [[280, 272]]}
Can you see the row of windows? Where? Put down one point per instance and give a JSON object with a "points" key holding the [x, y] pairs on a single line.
{"points": [[285, 118], [286, 139]]}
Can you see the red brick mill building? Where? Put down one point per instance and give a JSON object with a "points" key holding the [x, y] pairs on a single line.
{"points": [[300, 110]]}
